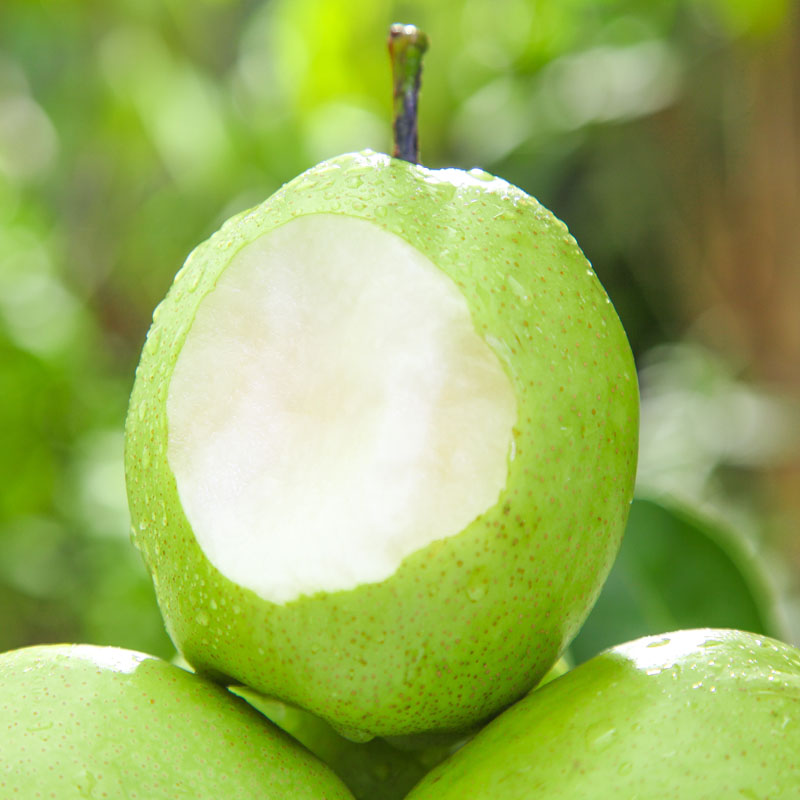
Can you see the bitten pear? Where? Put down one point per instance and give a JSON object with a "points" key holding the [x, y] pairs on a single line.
{"points": [[381, 446]]}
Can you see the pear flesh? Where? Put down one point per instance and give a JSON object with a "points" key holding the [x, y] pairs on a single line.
{"points": [[333, 410]]}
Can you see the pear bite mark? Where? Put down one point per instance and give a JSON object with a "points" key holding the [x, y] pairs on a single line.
{"points": [[333, 410]]}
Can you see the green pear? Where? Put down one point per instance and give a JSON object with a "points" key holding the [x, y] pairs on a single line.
{"points": [[82, 721], [693, 714], [374, 770], [381, 446]]}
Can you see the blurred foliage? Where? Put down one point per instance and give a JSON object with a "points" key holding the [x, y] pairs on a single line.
{"points": [[130, 129], [660, 582]]}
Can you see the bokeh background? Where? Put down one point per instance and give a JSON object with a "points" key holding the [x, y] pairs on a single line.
{"points": [[665, 132]]}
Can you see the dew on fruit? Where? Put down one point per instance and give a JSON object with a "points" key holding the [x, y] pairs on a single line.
{"points": [[477, 585], [153, 340], [85, 784], [399, 192], [202, 618], [522, 294], [659, 642], [599, 736], [625, 768], [481, 175], [476, 593], [444, 191], [195, 283], [413, 665], [91, 786]]}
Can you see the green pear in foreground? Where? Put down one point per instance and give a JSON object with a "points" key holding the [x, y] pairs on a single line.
{"points": [[381, 446], [374, 770], [694, 714], [100, 722]]}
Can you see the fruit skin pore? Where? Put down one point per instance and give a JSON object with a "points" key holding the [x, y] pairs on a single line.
{"points": [[469, 623], [691, 715]]}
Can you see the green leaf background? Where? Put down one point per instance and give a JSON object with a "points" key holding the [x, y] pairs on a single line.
{"points": [[678, 569]]}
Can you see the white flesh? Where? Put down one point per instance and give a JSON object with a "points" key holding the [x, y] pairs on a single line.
{"points": [[333, 410]]}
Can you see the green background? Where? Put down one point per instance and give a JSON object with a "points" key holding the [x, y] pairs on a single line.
{"points": [[664, 133]]}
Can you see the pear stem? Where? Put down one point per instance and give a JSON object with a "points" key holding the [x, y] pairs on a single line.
{"points": [[407, 45]]}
